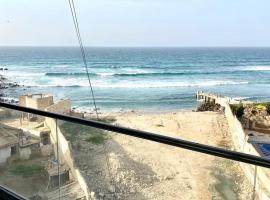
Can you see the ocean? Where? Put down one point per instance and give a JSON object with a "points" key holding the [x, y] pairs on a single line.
{"points": [[143, 79]]}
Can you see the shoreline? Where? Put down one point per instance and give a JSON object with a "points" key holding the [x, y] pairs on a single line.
{"points": [[148, 162], [140, 112], [6, 84]]}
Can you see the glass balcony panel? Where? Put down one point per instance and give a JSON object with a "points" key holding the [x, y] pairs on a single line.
{"points": [[88, 162]]}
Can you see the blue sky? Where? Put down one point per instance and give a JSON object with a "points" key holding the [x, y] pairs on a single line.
{"points": [[136, 22]]}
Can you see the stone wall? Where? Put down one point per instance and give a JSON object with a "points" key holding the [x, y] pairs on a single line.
{"points": [[22, 100], [65, 153], [76, 114], [37, 103], [44, 102], [4, 155], [25, 153], [61, 107], [240, 142], [46, 150]]}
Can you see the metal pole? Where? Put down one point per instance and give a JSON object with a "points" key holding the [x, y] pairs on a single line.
{"points": [[58, 159], [254, 184]]}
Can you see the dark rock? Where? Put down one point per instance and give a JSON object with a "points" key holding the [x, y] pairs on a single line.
{"points": [[209, 107]]}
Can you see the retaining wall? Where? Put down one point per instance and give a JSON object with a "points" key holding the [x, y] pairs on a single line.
{"points": [[61, 107], [240, 142], [37, 103], [65, 153]]}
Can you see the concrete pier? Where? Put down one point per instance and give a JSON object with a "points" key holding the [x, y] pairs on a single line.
{"points": [[207, 97]]}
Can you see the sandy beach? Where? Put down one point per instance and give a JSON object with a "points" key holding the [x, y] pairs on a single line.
{"points": [[125, 167], [196, 71]]}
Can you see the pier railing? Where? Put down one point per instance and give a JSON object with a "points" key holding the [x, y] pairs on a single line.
{"points": [[171, 141]]}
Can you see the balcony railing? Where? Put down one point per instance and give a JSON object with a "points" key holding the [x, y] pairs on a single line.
{"points": [[62, 165]]}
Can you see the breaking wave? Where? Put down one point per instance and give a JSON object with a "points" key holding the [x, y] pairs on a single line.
{"points": [[144, 84]]}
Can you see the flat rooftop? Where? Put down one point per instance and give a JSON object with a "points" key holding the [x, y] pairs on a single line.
{"points": [[8, 136], [37, 96]]}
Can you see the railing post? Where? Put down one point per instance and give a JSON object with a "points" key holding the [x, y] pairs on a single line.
{"points": [[254, 184], [58, 158]]}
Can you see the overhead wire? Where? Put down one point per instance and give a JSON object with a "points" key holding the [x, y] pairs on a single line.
{"points": [[76, 25]]}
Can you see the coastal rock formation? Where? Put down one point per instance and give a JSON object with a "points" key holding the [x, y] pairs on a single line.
{"points": [[209, 107], [5, 84]]}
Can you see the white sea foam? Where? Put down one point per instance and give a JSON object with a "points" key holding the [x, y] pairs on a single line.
{"points": [[40, 80], [129, 84], [256, 68], [105, 74], [240, 98], [15, 74]]}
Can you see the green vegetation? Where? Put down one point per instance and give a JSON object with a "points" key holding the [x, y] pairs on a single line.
{"points": [[264, 106], [259, 106], [27, 170], [5, 113], [108, 120], [238, 110], [96, 138], [89, 134]]}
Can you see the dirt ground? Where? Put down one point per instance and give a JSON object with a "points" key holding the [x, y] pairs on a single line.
{"points": [[124, 167], [26, 186]]}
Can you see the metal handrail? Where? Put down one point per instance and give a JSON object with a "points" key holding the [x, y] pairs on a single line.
{"points": [[193, 146], [8, 194]]}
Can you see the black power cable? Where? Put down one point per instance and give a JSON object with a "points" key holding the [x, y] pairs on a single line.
{"points": [[76, 25]]}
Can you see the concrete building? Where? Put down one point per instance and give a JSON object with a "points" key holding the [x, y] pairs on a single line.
{"points": [[9, 143], [15, 144], [29, 145], [52, 142], [43, 102], [37, 101]]}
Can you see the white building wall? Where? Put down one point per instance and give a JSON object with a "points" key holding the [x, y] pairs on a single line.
{"points": [[25, 153], [4, 154]]}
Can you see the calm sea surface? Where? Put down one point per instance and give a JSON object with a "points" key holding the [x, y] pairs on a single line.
{"points": [[147, 79]]}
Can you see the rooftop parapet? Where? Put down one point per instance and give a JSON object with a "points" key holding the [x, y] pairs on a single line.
{"points": [[38, 101]]}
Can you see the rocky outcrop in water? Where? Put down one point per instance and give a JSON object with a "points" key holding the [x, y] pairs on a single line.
{"points": [[6, 84], [209, 107]]}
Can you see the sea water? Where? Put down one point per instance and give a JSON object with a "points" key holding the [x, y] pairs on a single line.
{"points": [[146, 79]]}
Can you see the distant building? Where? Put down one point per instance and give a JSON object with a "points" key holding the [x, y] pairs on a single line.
{"points": [[43, 102], [9, 143], [15, 144], [37, 101]]}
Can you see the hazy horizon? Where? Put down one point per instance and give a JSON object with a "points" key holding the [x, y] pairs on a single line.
{"points": [[56, 46], [129, 23]]}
